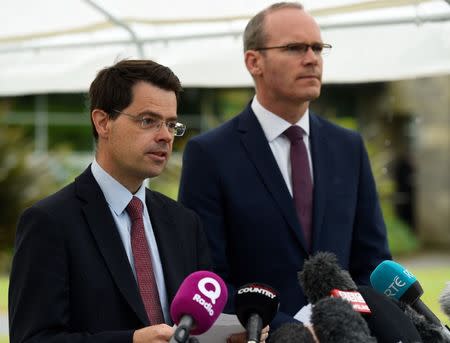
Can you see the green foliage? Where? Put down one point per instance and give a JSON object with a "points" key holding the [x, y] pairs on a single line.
{"points": [[4, 284], [76, 137], [401, 240], [167, 183], [433, 280], [24, 178]]}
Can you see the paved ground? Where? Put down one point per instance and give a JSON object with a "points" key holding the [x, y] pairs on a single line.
{"points": [[3, 325], [426, 260], [418, 261]]}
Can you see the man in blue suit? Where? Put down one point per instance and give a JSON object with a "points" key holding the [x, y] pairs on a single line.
{"points": [[264, 212]]}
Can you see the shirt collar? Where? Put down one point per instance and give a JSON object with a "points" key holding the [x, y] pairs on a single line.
{"points": [[116, 195], [272, 124]]}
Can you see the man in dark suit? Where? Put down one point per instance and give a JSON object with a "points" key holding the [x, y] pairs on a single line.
{"points": [[101, 260], [267, 202]]}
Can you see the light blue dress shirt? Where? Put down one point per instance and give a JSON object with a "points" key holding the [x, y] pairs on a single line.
{"points": [[118, 197]]}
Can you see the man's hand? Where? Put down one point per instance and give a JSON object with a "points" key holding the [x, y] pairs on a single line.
{"points": [[242, 336], [153, 334]]}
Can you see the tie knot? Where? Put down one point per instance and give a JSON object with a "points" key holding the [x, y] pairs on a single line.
{"points": [[294, 133], [134, 208]]}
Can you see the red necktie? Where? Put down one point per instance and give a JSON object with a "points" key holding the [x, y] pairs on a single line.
{"points": [[301, 180], [143, 263]]}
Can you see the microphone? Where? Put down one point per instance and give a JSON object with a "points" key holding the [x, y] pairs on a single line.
{"points": [[334, 320], [395, 281], [444, 300], [197, 304], [292, 332], [256, 305], [322, 276], [428, 331]]}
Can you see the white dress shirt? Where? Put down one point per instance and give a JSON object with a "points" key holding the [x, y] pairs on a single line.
{"points": [[118, 197], [273, 127]]}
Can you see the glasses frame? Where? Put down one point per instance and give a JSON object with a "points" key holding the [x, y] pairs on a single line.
{"points": [[287, 47], [178, 130]]}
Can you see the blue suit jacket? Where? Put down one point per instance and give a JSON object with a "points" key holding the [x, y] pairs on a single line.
{"points": [[231, 179]]}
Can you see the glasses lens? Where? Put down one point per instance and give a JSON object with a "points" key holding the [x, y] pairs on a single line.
{"points": [[326, 49], [179, 129], [317, 48], [297, 48]]}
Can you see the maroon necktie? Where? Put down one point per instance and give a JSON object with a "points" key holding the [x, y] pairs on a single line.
{"points": [[143, 263], [301, 180]]}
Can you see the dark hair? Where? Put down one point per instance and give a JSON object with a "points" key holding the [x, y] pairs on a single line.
{"points": [[112, 88], [254, 35]]}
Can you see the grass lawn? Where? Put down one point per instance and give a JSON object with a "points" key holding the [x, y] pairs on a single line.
{"points": [[432, 280]]}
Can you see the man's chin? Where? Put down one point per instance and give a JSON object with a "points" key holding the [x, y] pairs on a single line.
{"points": [[309, 96]]}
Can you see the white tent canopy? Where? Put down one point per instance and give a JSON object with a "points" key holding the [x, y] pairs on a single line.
{"points": [[58, 45]]}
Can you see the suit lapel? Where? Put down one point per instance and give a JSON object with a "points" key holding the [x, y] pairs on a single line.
{"points": [[104, 230], [320, 154], [259, 152]]}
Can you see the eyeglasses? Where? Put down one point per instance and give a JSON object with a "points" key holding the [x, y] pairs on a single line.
{"points": [[152, 123], [300, 49]]}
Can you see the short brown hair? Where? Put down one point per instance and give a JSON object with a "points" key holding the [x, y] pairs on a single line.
{"points": [[111, 90], [254, 35]]}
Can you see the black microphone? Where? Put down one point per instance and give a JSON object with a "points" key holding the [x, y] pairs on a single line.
{"points": [[292, 333], [429, 332], [333, 321], [322, 276], [395, 281], [256, 305]]}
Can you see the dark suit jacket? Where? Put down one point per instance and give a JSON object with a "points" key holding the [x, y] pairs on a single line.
{"points": [[71, 280], [231, 179]]}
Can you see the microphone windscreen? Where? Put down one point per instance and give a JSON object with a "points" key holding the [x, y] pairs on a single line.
{"points": [[321, 273], [387, 322], [444, 300], [429, 332], [291, 333], [202, 295], [335, 321], [256, 298]]}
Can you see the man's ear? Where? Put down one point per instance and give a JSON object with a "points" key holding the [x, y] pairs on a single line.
{"points": [[253, 62], [100, 119]]}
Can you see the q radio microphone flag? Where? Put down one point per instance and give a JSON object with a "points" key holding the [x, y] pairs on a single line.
{"points": [[197, 304], [256, 305], [395, 281]]}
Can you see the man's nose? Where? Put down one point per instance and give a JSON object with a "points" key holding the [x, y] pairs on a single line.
{"points": [[163, 133]]}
